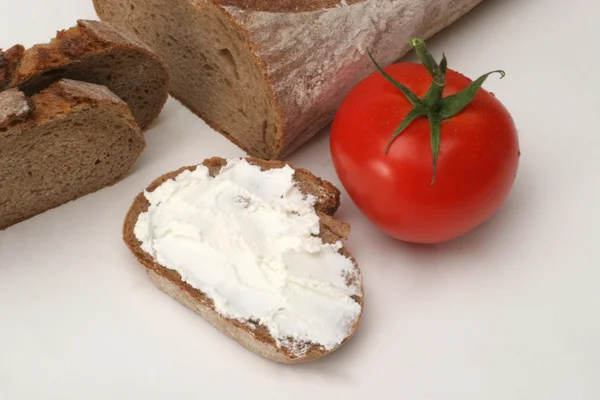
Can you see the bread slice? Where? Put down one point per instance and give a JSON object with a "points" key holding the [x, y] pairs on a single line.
{"points": [[94, 52], [71, 139], [270, 74], [253, 336]]}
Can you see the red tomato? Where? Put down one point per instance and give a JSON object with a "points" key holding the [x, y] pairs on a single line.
{"points": [[476, 168]]}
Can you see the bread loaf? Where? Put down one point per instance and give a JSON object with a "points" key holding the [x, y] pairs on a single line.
{"points": [[71, 139], [270, 74], [94, 52], [253, 334]]}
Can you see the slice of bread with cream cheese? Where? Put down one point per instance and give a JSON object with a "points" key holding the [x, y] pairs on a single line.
{"points": [[252, 246]]}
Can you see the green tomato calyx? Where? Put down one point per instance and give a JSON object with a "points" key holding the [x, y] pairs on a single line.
{"points": [[433, 105]]}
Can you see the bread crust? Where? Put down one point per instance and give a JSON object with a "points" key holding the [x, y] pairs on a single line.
{"points": [[67, 96], [286, 6], [59, 98], [8, 63], [253, 336], [35, 68]]}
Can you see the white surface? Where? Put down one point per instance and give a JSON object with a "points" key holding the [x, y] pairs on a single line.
{"points": [[511, 311]]}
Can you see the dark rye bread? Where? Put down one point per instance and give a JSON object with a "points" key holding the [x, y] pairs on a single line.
{"points": [[95, 52], [71, 139], [251, 335]]}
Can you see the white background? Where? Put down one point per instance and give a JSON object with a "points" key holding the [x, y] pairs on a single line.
{"points": [[510, 311]]}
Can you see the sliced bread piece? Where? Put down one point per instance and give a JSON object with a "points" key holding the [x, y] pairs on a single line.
{"points": [[71, 139], [270, 74], [95, 52], [252, 333]]}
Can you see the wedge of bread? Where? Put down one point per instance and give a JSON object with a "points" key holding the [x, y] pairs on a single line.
{"points": [[270, 74], [95, 52], [71, 139], [251, 334]]}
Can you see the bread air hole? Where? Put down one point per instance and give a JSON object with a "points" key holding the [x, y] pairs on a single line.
{"points": [[229, 62], [263, 131]]}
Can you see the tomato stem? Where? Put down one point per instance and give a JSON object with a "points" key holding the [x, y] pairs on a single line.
{"points": [[439, 77], [433, 106]]}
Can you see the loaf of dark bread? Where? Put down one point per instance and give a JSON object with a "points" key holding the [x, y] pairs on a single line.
{"points": [[270, 74]]}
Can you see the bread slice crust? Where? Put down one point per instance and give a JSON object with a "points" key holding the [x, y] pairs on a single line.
{"points": [[253, 336], [95, 52]]}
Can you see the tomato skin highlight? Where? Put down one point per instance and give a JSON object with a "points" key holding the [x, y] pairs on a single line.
{"points": [[476, 169]]}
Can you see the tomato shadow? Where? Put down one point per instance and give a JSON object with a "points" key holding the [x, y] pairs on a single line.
{"points": [[496, 233]]}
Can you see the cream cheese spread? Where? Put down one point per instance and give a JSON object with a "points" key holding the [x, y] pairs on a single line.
{"points": [[247, 239]]}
